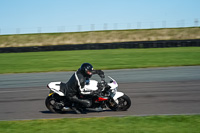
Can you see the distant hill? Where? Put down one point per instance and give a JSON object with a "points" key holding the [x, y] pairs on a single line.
{"points": [[108, 36]]}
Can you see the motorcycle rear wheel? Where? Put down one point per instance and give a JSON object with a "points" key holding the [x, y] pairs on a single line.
{"points": [[123, 104], [50, 106]]}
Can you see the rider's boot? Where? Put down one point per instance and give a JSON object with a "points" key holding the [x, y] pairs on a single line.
{"points": [[79, 104], [78, 109], [83, 103]]}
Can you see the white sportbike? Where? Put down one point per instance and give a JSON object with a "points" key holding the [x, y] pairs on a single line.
{"points": [[105, 96]]}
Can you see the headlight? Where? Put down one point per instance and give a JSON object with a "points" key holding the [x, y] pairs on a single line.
{"points": [[114, 90]]}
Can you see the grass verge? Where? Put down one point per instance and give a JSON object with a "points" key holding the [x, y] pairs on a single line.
{"points": [[107, 36], [101, 59], [131, 124]]}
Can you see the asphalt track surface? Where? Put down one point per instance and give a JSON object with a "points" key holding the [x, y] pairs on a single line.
{"points": [[153, 91]]}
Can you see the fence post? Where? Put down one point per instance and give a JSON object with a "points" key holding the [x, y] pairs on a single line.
{"points": [[164, 24], [105, 26], [138, 25], [18, 31], [196, 22], [92, 27], [115, 26], [79, 28]]}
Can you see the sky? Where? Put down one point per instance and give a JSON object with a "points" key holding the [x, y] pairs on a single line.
{"points": [[29, 16]]}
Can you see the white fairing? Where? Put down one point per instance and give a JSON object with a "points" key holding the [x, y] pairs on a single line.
{"points": [[114, 86], [55, 87], [117, 95], [92, 86]]}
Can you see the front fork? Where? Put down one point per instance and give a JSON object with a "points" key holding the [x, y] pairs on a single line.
{"points": [[113, 101]]}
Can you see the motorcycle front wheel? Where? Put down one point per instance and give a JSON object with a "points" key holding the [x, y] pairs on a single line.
{"points": [[121, 104], [50, 103]]}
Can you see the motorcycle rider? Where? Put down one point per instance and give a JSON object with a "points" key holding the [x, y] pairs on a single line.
{"points": [[76, 84]]}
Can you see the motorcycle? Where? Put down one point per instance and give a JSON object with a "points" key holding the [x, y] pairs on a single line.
{"points": [[105, 96]]}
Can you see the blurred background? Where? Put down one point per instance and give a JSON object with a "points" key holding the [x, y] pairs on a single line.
{"points": [[102, 27], [50, 16], [50, 22]]}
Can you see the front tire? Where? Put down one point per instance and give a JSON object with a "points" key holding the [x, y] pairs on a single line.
{"points": [[121, 104]]}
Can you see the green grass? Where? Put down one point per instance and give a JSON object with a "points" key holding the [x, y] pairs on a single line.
{"points": [[101, 59], [131, 124]]}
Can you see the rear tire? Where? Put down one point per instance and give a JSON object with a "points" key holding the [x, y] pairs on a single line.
{"points": [[49, 104], [123, 104]]}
